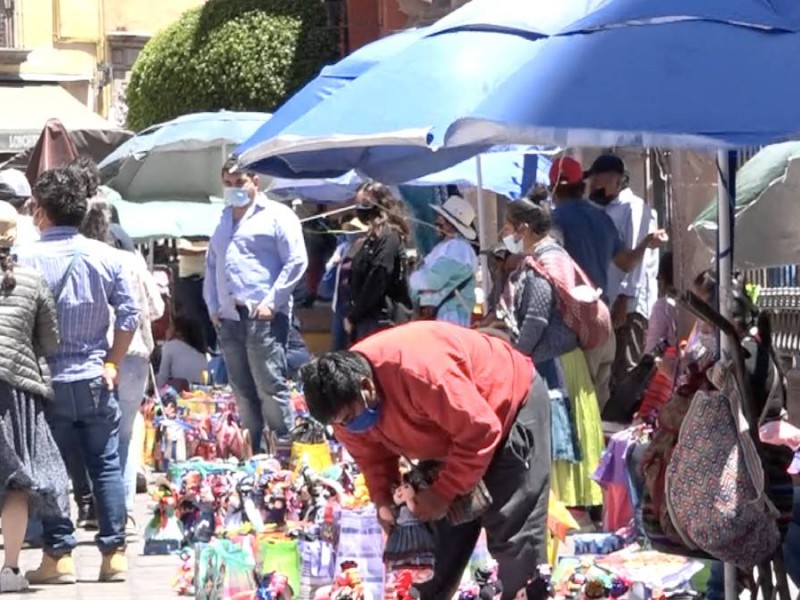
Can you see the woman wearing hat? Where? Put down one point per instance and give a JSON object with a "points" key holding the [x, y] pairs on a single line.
{"points": [[444, 286], [31, 470]]}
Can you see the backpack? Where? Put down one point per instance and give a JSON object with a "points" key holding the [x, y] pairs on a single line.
{"points": [[585, 314], [714, 483]]}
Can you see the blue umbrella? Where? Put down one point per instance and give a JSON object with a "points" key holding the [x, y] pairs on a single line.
{"points": [[330, 80], [682, 83], [384, 124], [494, 78], [179, 159], [510, 172]]}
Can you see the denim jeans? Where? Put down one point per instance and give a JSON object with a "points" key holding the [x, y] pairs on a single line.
{"points": [[255, 356], [131, 385], [791, 556], [86, 415]]}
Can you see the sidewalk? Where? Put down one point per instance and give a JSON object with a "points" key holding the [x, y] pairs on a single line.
{"points": [[149, 577]]}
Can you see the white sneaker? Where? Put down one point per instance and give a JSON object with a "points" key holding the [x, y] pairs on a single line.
{"points": [[12, 582]]}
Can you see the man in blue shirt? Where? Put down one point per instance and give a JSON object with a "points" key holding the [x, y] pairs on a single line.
{"points": [[255, 259], [87, 280], [592, 240]]}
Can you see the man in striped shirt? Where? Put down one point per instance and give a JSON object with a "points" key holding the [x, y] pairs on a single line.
{"points": [[86, 279]]}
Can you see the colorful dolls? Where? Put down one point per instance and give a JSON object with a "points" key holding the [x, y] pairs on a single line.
{"points": [[411, 543]]}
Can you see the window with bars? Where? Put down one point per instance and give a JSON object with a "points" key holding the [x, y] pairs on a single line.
{"points": [[6, 23]]}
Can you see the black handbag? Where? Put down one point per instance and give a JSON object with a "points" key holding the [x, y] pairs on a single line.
{"points": [[627, 396]]}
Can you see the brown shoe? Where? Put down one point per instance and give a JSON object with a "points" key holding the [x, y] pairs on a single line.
{"points": [[115, 567], [54, 571]]}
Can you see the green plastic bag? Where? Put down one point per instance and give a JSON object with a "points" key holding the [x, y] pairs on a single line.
{"points": [[280, 556], [223, 569]]}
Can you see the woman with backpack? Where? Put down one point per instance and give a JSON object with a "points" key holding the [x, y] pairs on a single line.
{"points": [[540, 313], [379, 294]]}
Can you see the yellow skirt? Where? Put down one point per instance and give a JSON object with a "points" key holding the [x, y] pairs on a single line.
{"points": [[572, 483]]}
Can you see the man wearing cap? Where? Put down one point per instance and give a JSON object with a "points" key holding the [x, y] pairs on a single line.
{"points": [[444, 286], [592, 240], [16, 190], [631, 295], [256, 258]]}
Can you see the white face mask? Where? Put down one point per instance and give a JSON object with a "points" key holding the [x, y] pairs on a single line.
{"points": [[512, 245], [236, 197]]}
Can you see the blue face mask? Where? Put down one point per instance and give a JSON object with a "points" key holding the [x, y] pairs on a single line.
{"points": [[236, 197], [365, 420]]}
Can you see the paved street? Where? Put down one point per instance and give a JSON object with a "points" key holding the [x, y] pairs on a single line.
{"points": [[150, 576]]}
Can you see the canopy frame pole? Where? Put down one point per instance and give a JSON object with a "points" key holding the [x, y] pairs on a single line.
{"points": [[724, 277], [485, 236]]}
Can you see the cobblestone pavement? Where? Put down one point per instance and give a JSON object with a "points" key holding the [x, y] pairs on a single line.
{"points": [[149, 577]]}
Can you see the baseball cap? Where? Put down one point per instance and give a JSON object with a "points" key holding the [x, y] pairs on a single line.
{"points": [[565, 170], [14, 182], [606, 163], [8, 225]]}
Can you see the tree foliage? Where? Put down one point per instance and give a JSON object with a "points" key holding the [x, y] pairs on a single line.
{"points": [[230, 54]]}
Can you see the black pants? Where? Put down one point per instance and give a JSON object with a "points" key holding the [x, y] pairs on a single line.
{"points": [[630, 348], [518, 479]]}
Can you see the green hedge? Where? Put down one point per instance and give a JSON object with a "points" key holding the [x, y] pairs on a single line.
{"points": [[230, 54]]}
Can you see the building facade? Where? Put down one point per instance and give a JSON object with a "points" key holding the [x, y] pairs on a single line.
{"points": [[368, 20], [58, 54]]}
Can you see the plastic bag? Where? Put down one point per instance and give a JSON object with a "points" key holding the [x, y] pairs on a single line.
{"points": [[275, 554], [224, 570], [361, 541], [317, 457]]}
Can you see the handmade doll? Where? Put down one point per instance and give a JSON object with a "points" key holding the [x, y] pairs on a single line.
{"points": [[184, 580], [346, 586], [273, 586], [485, 586], [164, 533], [411, 543], [404, 586], [229, 437], [538, 588]]}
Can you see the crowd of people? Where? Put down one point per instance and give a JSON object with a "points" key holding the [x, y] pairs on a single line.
{"points": [[509, 404], [511, 407]]}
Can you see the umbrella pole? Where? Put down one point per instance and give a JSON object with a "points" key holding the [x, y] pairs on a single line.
{"points": [[485, 236], [725, 193]]}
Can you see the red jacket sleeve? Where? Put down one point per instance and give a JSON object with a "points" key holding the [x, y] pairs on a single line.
{"points": [[453, 402], [380, 466]]}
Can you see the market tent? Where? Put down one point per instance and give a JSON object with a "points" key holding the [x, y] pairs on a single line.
{"points": [[93, 143], [160, 219], [25, 108], [181, 158], [767, 209]]}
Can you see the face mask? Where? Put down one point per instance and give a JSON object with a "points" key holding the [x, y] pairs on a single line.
{"points": [[236, 197], [365, 420], [365, 215], [599, 196], [512, 245]]}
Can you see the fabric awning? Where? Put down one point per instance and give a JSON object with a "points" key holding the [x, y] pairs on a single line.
{"points": [[25, 108]]}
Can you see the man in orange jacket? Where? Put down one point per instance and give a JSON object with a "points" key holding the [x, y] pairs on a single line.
{"points": [[436, 391]]}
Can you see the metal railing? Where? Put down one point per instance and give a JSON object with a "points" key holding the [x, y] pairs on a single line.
{"points": [[780, 295]]}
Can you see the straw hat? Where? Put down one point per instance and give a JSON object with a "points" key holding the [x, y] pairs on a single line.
{"points": [[8, 225], [460, 214]]}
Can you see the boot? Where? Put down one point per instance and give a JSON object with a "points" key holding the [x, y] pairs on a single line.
{"points": [[115, 567], [54, 571]]}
